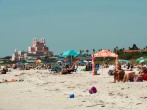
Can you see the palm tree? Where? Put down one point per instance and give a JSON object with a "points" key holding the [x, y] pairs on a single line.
{"points": [[114, 50], [134, 47], [87, 51], [99, 49], [81, 51], [145, 47], [93, 50]]}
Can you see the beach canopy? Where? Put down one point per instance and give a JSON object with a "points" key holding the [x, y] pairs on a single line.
{"points": [[103, 53]]}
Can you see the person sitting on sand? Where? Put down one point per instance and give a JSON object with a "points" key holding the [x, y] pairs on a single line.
{"points": [[118, 74], [68, 70], [112, 69], [131, 67], [131, 76], [4, 71]]}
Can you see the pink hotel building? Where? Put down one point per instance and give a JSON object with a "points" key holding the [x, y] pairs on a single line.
{"points": [[38, 49]]}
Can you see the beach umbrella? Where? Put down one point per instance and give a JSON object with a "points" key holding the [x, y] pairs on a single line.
{"points": [[38, 61], [139, 59], [19, 63], [125, 61], [71, 53], [143, 60]]}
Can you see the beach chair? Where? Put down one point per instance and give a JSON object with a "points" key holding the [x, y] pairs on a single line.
{"points": [[75, 68], [55, 69], [96, 67]]}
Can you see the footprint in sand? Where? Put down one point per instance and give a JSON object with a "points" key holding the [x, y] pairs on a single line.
{"points": [[138, 103]]}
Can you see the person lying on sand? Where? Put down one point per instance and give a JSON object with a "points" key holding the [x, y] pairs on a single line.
{"points": [[129, 77], [68, 70], [142, 75]]}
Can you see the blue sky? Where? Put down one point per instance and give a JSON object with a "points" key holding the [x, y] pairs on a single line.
{"points": [[72, 24]]}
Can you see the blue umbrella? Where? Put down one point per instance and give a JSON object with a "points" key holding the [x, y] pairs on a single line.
{"points": [[126, 61], [71, 53], [19, 63]]}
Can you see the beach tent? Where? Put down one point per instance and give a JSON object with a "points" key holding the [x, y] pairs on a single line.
{"points": [[103, 53]]}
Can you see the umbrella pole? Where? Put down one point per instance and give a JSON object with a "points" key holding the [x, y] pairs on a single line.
{"points": [[71, 59]]}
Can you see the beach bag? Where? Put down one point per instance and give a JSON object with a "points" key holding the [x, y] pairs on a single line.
{"points": [[93, 90]]}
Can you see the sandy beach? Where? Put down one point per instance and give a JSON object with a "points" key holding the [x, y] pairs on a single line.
{"points": [[40, 90]]}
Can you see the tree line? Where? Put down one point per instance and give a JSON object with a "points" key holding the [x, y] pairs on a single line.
{"points": [[120, 52]]}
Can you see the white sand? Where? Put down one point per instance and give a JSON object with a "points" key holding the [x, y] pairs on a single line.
{"points": [[43, 91]]}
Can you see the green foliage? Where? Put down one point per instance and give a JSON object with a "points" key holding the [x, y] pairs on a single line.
{"points": [[7, 57], [121, 54], [93, 50], [87, 51], [134, 47]]}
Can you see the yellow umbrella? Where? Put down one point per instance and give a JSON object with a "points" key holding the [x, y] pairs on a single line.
{"points": [[38, 61]]}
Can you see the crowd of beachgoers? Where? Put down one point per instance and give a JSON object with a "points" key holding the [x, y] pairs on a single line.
{"points": [[72, 86], [67, 68]]}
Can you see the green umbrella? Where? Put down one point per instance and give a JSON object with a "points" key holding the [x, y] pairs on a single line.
{"points": [[143, 60]]}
